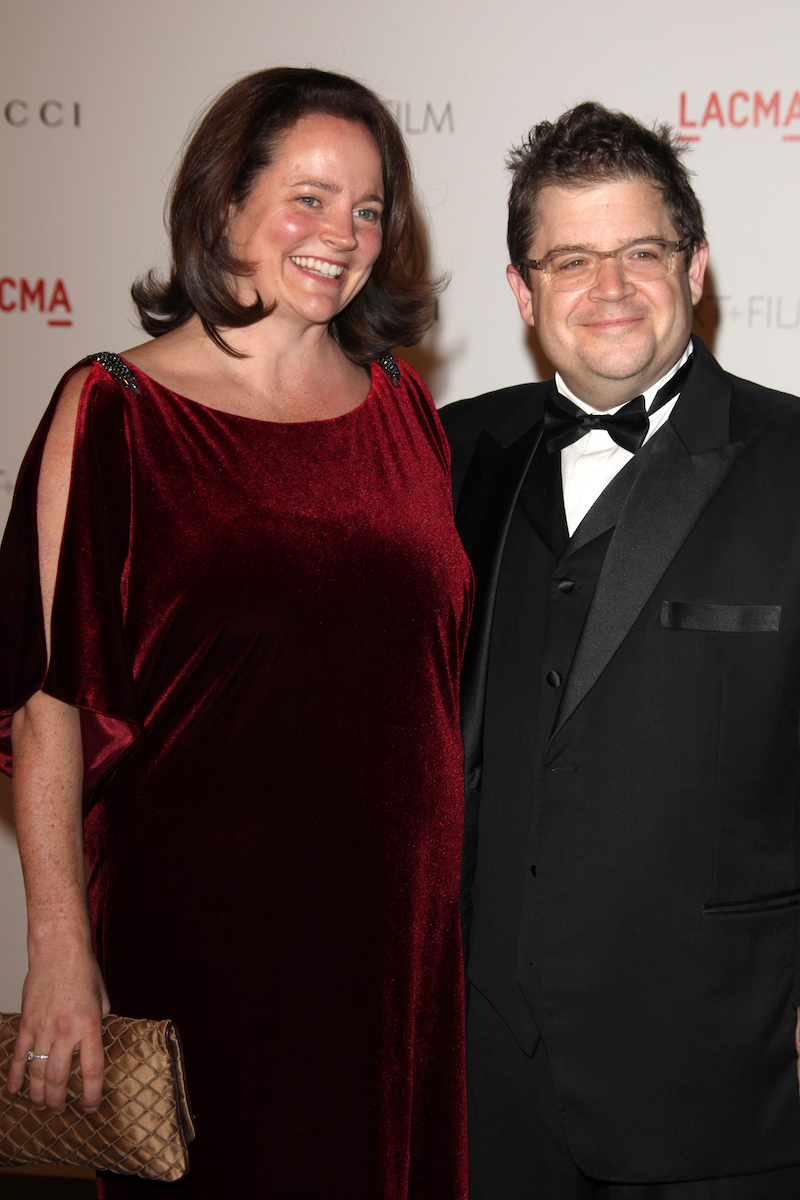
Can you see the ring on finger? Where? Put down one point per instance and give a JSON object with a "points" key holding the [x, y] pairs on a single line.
{"points": [[32, 1056]]}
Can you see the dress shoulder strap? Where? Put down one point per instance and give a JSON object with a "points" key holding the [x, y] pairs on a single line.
{"points": [[116, 367], [390, 368]]}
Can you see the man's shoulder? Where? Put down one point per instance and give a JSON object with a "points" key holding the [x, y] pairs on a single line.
{"points": [[505, 414], [756, 409], [752, 410]]}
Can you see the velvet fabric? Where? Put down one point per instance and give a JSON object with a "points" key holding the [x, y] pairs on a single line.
{"points": [[263, 625]]}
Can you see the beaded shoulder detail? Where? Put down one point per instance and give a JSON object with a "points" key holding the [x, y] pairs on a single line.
{"points": [[117, 368], [390, 369]]}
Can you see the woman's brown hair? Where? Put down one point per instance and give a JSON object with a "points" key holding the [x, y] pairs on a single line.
{"points": [[233, 143]]}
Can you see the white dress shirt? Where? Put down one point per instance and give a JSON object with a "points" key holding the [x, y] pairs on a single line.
{"points": [[589, 465]]}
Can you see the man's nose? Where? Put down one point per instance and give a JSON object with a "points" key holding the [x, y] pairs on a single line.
{"points": [[611, 283]]}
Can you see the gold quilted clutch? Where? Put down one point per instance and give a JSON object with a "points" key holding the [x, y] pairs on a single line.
{"points": [[142, 1126]]}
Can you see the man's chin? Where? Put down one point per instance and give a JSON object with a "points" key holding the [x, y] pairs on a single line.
{"points": [[619, 368], [616, 350]]}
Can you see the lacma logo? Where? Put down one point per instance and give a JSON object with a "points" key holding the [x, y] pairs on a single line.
{"points": [[740, 110], [22, 296]]}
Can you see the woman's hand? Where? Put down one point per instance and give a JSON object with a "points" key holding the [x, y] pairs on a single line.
{"points": [[63, 997], [62, 1002]]}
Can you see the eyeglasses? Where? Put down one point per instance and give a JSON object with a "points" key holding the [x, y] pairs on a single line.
{"points": [[576, 270]]}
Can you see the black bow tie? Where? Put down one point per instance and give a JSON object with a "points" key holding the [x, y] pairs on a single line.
{"points": [[565, 423]]}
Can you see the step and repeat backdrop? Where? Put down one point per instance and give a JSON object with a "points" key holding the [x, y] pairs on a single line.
{"points": [[96, 97]]}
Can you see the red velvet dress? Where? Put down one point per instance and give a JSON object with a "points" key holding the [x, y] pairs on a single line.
{"points": [[262, 625]]}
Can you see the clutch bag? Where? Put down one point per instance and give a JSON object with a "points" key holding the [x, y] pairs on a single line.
{"points": [[144, 1121]]}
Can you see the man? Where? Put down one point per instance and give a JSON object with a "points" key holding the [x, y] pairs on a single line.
{"points": [[630, 710]]}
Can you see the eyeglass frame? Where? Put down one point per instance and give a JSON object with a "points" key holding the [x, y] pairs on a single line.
{"points": [[540, 264]]}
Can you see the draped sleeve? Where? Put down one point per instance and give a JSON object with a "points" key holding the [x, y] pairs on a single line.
{"points": [[89, 665]]}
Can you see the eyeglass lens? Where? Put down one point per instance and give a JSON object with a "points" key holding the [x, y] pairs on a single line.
{"points": [[574, 270]]}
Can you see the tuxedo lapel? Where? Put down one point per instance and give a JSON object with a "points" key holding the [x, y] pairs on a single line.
{"points": [[662, 508], [680, 470], [488, 496]]}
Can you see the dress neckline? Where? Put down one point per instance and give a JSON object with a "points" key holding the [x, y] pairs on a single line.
{"points": [[125, 372]]}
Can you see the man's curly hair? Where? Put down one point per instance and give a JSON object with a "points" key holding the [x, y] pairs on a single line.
{"points": [[591, 144]]}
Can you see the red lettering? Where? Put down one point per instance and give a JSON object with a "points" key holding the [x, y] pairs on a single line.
{"points": [[32, 296], [713, 111], [732, 108], [684, 120], [28, 293], [794, 110], [59, 298], [761, 108], [4, 283]]}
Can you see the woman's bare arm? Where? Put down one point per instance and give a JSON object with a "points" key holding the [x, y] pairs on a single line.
{"points": [[63, 996]]}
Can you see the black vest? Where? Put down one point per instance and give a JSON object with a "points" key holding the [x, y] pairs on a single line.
{"points": [[546, 585]]}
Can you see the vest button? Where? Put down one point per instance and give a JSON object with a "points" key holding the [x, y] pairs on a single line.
{"points": [[533, 868], [554, 679], [566, 585]]}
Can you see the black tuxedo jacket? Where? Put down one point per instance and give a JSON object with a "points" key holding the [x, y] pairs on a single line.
{"points": [[632, 762]]}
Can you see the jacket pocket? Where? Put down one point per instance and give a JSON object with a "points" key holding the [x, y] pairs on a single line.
{"points": [[721, 618], [753, 904]]}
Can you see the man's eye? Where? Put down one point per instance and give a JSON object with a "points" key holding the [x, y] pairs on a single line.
{"points": [[645, 254], [309, 201], [564, 266]]}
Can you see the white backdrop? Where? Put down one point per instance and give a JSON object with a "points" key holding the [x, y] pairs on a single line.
{"points": [[96, 96]]}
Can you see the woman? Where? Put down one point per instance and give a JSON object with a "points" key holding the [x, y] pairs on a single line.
{"points": [[254, 605]]}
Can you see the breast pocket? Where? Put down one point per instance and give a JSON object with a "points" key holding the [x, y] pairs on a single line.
{"points": [[721, 618], [753, 904]]}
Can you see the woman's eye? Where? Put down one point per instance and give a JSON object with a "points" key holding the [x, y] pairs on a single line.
{"points": [[368, 214], [309, 201]]}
